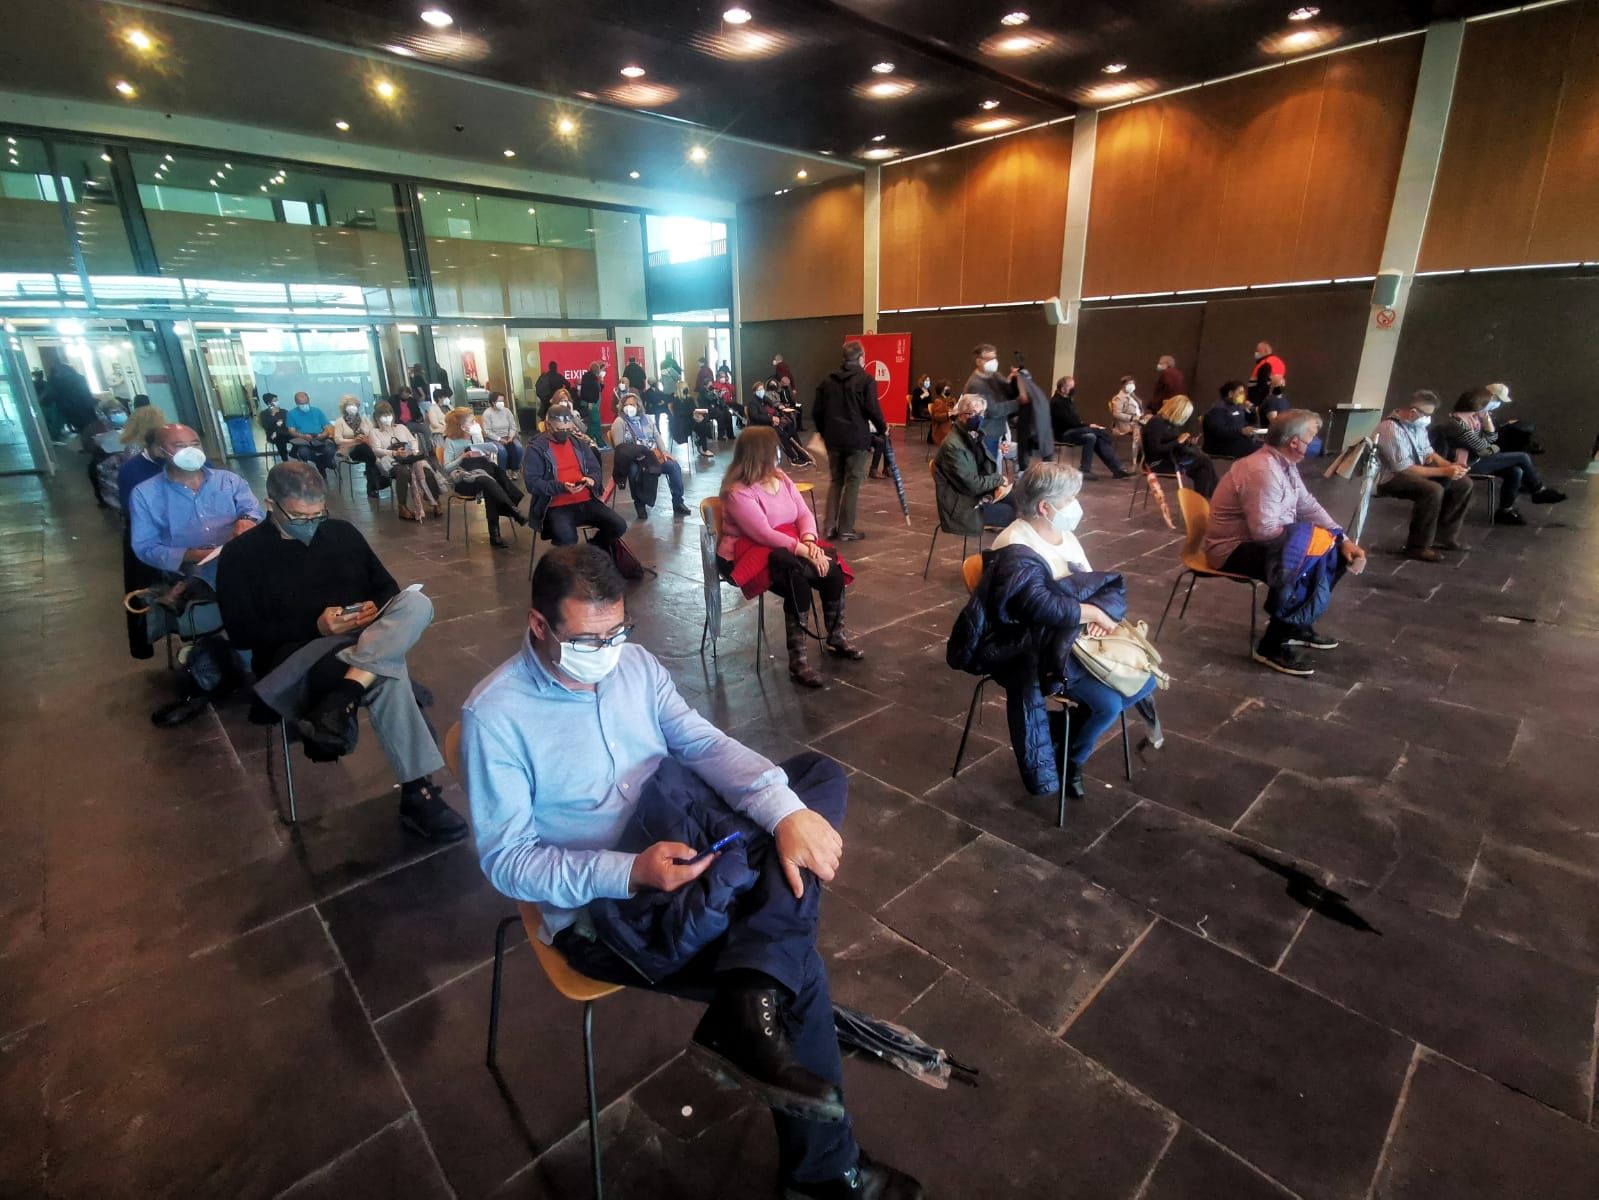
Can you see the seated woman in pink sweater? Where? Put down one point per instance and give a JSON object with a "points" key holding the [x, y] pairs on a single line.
{"points": [[769, 544]]}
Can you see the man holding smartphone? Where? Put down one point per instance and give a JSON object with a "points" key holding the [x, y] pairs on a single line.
{"points": [[549, 813], [1005, 396], [329, 630]]}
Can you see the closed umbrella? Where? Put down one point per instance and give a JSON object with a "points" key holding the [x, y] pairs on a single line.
{"points": [[899, 1047], [713, 587], [892, 464]]}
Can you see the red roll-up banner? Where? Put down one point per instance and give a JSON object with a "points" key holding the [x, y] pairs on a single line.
{"points": [[573, 358], [888, 361]]}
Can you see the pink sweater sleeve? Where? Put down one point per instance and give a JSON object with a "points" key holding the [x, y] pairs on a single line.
{"points": [[749, 515]]}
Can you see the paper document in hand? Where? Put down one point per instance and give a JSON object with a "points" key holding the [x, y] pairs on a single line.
{"points": [[209, 557]]}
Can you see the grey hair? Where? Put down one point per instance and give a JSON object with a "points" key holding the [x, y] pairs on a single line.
{"points": [[970, 402], [1296, 422], [295, 481], [1424, 396], [1055, 482]]}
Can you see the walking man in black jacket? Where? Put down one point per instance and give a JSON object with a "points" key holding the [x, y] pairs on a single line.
{"points": [[846, 415]]}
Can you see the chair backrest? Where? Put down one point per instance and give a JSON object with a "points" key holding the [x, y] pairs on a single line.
{"points": [[972, 572], [711, 514], [452, 752], [1196, 519]]}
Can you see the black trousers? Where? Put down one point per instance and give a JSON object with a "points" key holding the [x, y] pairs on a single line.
{"points": [[561, 523], [793, 578], [500, 495], [362, 453]]}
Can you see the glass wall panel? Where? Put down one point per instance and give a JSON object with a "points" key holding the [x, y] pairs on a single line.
{"points": [[36, 265], [502, 256], [95, 209], [690, 271], [254, 237]]}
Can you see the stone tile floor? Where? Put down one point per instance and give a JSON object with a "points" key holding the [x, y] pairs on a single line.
{"points": [[1338, 939]]}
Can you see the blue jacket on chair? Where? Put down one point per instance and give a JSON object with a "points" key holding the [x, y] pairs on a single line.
{"points": [[1018, 627]]}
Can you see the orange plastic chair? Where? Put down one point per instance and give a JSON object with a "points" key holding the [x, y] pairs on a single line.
{"points": [[1196, 522], [568, 982]]}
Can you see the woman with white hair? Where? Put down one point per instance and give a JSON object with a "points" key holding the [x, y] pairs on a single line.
{"points": [[970, 487], [1041, 595]]}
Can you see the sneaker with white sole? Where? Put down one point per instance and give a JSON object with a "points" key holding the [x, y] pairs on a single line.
{"points": [[1313, 641], [1286, 660]]}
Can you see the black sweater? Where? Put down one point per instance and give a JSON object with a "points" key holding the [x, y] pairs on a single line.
{"points": [[273, 588]]}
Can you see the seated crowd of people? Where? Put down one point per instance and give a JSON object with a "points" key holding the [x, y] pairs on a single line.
{"points": [[609, 829]]}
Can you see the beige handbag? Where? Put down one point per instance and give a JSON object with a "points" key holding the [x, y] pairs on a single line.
{"points": [[1123, 660]]}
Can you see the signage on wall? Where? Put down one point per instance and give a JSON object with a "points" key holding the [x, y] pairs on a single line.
{"points": [[571, 359], [888, 361], [1386, 318]]}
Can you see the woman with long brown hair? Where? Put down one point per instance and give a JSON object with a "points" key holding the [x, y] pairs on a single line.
{"points": [[473, 470], [769, 544]]}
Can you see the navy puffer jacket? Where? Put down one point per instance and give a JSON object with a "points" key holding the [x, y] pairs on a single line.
{"points": [[1018, 627]]}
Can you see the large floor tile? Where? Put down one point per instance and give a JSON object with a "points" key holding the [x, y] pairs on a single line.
{"points": [[1537, 902], [890, 841], [1036, 935], [395, 1164], [1283, 1078], [902, 747], [1320, 748], [1196, 1168]]}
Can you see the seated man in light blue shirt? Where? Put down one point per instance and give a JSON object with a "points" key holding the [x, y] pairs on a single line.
{"points": [[1438, 490], [559, 744], [310, 434], [180, 518]]}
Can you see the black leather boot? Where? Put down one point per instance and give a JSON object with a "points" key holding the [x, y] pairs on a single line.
{"points": [[330, 726], [742, 1040], [838, 642], [799, 668], [866, 1180]]}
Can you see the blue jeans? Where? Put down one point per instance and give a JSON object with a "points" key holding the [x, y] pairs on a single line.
{"points": [[1515, 471], [775, 934], [511, 455], [1099, 706], [1093, 441]]}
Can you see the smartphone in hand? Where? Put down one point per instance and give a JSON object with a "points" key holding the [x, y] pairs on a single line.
{"points": [[730, 839]]}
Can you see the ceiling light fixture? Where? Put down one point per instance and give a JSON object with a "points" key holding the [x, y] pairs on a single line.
{"points": [[633, 72], [125, 89], [105, 158], [989, 104], [737, 16], [437, 18], [1114, 68], [630, 175], [880, 137], [342, 126], [886, 89], [1300, 41], [697, 154], [509, 153], [384, 89], [169, 158], [139, 40], [883, 68], [566, 127], [1015, 18], [1304, 14], [878, 153], [989, 124], [802, 173]]}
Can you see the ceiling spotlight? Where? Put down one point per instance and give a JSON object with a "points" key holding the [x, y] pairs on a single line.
{"points": [[263, 187], [737, 16], [697, 154], [1014, 45], [437, 18], [169, 158], [886, 89], [105, 158], [989, 104], [508, 153], [566, 127], [883, 68], [802, 173], [880, 137], [139, 40], [630, 175], [227, 166], [878, 153], [125, 89], [531, 211], [1300, 41], [384, 89], [989, 124], [1114, 68], [342, 126], [633, 72], [1304, 14], [1015, 18]]}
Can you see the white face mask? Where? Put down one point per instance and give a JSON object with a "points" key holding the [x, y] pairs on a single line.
{"points": [[499, 404], [302, 404], [1492, 404], [351, 410], [590, 666], [1067, 517], [190, 458], [990, 365], [475, 432], [630, 411], [1129, 388], [1420, 423], [760, 393], [385, 421]]}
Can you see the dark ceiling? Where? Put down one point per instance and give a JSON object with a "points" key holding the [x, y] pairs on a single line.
{"points": [[797, 74]]}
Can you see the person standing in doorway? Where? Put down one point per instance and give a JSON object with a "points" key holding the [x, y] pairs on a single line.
{"points": [[846, 415]]}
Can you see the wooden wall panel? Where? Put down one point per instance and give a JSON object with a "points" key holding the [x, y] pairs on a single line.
{"points": [[1566, 228], [1238, 183], [802, 254], [979, 225]]}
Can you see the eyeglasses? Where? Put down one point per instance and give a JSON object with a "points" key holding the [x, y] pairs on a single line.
{"points": [[293, 516], [592, 643]]}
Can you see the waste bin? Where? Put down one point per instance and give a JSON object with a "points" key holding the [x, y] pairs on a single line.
{"points": [[241, 435]]}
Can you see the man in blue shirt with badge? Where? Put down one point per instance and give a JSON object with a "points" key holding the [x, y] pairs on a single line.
{"points": [[310, 434], [559, 744], [181, 517]]}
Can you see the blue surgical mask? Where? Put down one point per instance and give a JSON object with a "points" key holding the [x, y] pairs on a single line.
{"points": [[301, 529]]}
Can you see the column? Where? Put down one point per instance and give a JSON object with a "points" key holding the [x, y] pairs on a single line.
{"points": [[1074, 246], [871, 241], [1407, 220]]}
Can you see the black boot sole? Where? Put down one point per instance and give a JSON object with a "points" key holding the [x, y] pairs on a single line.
{"points": [[728, 1074], [443, 837]]}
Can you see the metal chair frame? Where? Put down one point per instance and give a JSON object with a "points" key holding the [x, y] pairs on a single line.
{"points": [[1495, 486], [453, 497], [1143, 481], [1196, 574]]}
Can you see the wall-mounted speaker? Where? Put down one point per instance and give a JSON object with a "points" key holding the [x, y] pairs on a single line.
{"points": [[1054, 311], [1386, 290]]}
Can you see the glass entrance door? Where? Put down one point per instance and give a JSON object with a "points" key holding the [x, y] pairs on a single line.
{"points": [[24, 444]]}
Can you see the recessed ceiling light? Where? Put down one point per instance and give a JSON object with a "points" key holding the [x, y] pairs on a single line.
{"points": [[437, 18], [737, 16], [697, 154], [1125, 89], [509, 153], [633, 72], [139, 40], [880, 137], [169, 158], [566, 126], [384, 89], [105, 158], [880, 152], [802, 173], [1114, 68], [531, 211], [263, 187], [989, 124], [1014, 45], [883, 68], [342, 126], [1304, 14], [829, 153], [886, 89], [1299, 41], [986, 104], [1015, 18], [630, 175], [402, 51], [227, 166], [126, 89]]}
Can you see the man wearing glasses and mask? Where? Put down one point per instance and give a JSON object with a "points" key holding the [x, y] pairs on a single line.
{"points": [[587, 774], [329, 630]]}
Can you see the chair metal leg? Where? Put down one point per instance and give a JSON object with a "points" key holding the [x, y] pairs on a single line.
{"points": [[449, 515], [930, 545], [288, 771], [1065, 741], [1127, 749], [1175, 584], [594, 1096], [760, 628], [1187, 596], [1254, 598], [494, 990], [1133, 499], [971, 712]]}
